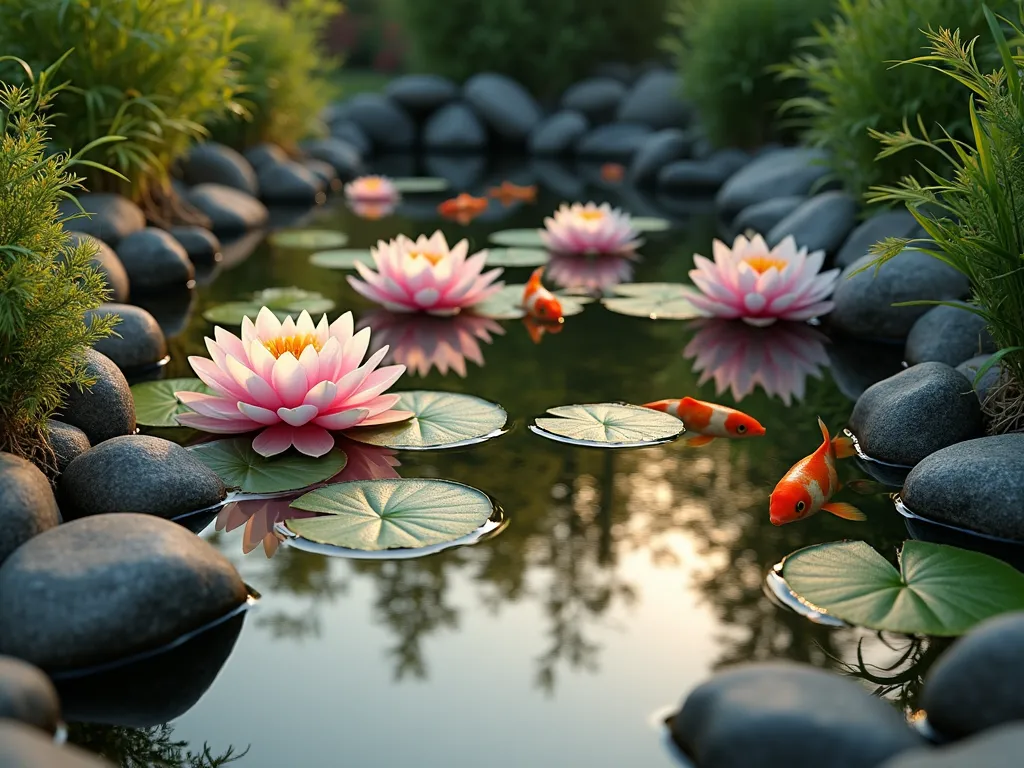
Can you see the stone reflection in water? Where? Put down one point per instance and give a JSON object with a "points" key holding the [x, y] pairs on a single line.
{"points": [[422, 342], [590, 273]]}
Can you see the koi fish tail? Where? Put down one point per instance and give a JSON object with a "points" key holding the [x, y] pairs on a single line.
{"points": [[824, 431], [659, 405], [535, 279], [844, 447]]}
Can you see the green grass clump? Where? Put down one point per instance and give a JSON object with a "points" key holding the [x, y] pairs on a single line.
{"points": [[152, 71], [974, 215], [854, 85], [282, 70], [46, 283], [544, 44], [726, 50]]}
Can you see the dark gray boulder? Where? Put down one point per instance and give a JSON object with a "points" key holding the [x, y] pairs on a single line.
{"points": [[616, 141], [989, 379], [915, 413], [975, 684], [139, 341], [898, 223], [68, 442], [454, 128], [106, 262], [820, 224], [265, 153], [111, 217], [22, 746], [289, 183], [656, 100], [976, 484], [657, 150], [701, 176], [213, 163], [999, 748], [949, 335], [386, 125], [230, 211], [770, 715], [771, 175], [154, 260], [104, 410], [345, 157], [596, 98], [557, 134], [107, 587], [856, 364], [27, 506], [323, 171], [138, 473], [353, 135], [422, 94], [558, 176], [461, 171], [864, 302], [762, 217], [201, 245], [27, 695], [507, 108]]}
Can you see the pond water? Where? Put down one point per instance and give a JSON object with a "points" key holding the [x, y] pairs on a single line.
{"points": [[623, 578]]}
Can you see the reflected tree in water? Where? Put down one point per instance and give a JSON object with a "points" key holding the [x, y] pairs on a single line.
{"points": [[153, 747]]}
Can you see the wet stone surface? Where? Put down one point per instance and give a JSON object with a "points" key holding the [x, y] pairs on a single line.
{"points": [[106, 409], [27, 506], [139, 341], [998, 748]]}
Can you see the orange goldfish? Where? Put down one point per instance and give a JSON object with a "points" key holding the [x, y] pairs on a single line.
{"points": [[509, 193], [463, 208], [537, 328], [612, 172], [810, 484], [709, 420], [539, 302]]}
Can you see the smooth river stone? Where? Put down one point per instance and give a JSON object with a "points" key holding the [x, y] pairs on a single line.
{"points": [[27, 506]]}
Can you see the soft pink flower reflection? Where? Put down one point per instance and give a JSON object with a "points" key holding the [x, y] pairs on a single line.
{"points": [[739, 357], [588, 273]]}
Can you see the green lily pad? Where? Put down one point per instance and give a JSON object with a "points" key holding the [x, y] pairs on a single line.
{"points": [[239, 466], [517, 257], [308, 239], [440, 420], [373, 515], [420, 184], [156, 405], [341, 258], [656, 301], [518, 238], [282, 301], [608, 425], [506, 304], [939, 590], [650, 224]]}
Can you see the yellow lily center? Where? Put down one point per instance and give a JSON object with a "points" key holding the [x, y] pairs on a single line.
{"points": [[371, 183], [762, 264], [591, 215], [294, 344], [433, 258]]}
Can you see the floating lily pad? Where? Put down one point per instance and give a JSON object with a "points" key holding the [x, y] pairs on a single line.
{"points": [[657, 301], [440, 420], [239, 466], [341, 258], [156, 405], [507, 304], [650, 224], [608, 425], [517, 257], [420, 184], [391, 514], [308, 239], [939, 590], [282, 301], [518, 238]]}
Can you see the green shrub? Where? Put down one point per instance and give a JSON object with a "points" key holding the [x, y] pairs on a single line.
{"points": [[153, 71], [973, 216], [726, 50], [280, 68], [855, 86], [46, 283], [544, 44]]}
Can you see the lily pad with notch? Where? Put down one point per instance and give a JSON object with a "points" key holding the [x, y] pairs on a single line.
{"points": [[375, 515], [156, 404], [341, 258], [281, 301], [650, 224], [518, 238], [939, 590], [656, 301], [608, 425], [308, 239], [420, 185], [507, 304], [517, 257], [240, 467], [440, 420]]}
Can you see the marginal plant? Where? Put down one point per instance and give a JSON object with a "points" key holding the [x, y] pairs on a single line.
{"points": [[46, 282], [974, 215], [281, 67], [854, 86], [726, 50], [152, 71]]}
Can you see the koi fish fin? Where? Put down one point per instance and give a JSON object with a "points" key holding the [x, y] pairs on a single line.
{"points": [[843, 447], [824, 431], [845, 511], [659, 405], [689, 401], [699, 441], [534, 281]]}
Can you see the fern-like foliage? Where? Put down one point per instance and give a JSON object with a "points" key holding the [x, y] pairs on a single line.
{"points": [[46, 283]]}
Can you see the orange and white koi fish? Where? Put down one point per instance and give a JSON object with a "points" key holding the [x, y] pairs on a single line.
{"points": [[537, 328], [706, 421], [509, 193], [463, 208], [539, 302], [809, 486]]}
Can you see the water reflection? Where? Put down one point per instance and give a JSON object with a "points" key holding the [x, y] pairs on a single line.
{"points": [[590, 274], [372, 210], [740, 357], [153, 746]]}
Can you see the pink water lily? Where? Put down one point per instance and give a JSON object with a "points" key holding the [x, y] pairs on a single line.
{"points": [[295, 381], [371, 189], [760, 285], [426, 276], [592, 229]]}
